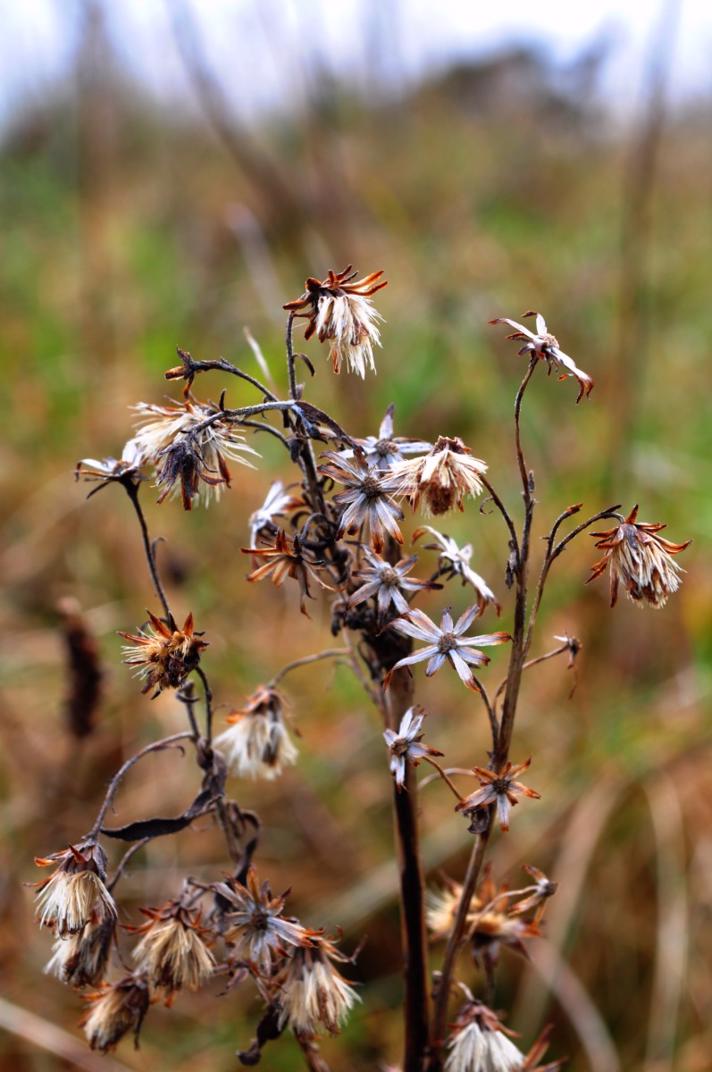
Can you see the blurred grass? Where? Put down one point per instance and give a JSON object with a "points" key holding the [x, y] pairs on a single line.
{"points": [[119, 243]]}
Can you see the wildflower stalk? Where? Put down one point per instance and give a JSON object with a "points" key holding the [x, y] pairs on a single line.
{"points": [[398, 698], [132, 490]]}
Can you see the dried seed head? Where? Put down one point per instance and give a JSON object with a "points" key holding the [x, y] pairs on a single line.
{"points": [[172, 952], [114, 1010], [163, 656], [366, 500], [74, 895], [640, 559], [441, 479], [81, 959], [499, 788], [545, 346], [257, 744], [314, 995], [406, 744], [258, 927], [479, 1043], [339, 308], [189, 444]]}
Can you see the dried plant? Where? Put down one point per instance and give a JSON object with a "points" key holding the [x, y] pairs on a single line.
{"points": [[335, 533]]}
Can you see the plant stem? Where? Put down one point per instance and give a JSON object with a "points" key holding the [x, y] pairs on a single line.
{"points": [[398, 698], [132, 491]]}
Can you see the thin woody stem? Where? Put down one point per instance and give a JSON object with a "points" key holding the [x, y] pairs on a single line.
{"points": [[398, 698], [443, 775], [222, 365], [306, 660], [132, 490], [306, 453], [208, 693], [121, 867], [533, 662], [156, 746], [514, 542], [503, 738]]}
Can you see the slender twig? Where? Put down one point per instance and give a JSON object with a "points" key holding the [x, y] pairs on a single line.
{"points": [[312, 1055], [514, 542], [491, 711], [533, 662], [208, 693], [121, 867], [306, 453], [188, 698], [221, 365], [398, 698], [261, 426], [443, 775], [306, 660], [132, 490], [156, 746]]}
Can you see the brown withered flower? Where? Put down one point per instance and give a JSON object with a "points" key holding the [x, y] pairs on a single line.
{"points": [[536, 895], [365, 501], [640, 559], [81, 959], [542, 344], [172, 953], [74, 895], [278, 502], [387, 583], [314, 993], [440, 479], [493, 922], [257, 743], [114, 1010], [257, 923], [339, 308], [283, 558], [499, 788], [481, 1043], [163, 656], [446, 643]]}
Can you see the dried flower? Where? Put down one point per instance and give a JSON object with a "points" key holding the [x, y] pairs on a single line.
{"points": [[384, 450], [366, 500], [341, 310], [441, 479], [499, 788], [314, 994], [172, 952], [405, 744], [536, 899], [447, 642], [493, 921], [81, 959], [455, 562], [257, 745], [114, 1010], [640, 559], [163, 656], [74, 895], [283, 558], [190, 454], [442, 904], [546, 347], [107, 470], [263, 933], [479, 1043], [278, 502], [387, 583]]}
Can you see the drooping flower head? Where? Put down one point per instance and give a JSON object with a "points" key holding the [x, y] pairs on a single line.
{"points": [[172, 953], [387, 583], [114, 1010], [257, 924], [74, 895], [285, 557], [545, 346], [447, 642], [455, 562], [640, 559], [257, 744], [103, 471], [441, 479], [314, 994], [81, 959], [163, 657], [189, 444], [365, 501], [499, 788], [339, 308], [406, 744]]}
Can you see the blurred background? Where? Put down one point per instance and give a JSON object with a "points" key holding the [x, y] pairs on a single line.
{"points": [[169, 174]]}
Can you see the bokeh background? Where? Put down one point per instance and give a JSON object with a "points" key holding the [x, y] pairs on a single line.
{"points": [[169, 174]]}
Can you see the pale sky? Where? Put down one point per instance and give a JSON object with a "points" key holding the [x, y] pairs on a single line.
{"points": [[261, 47]]}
